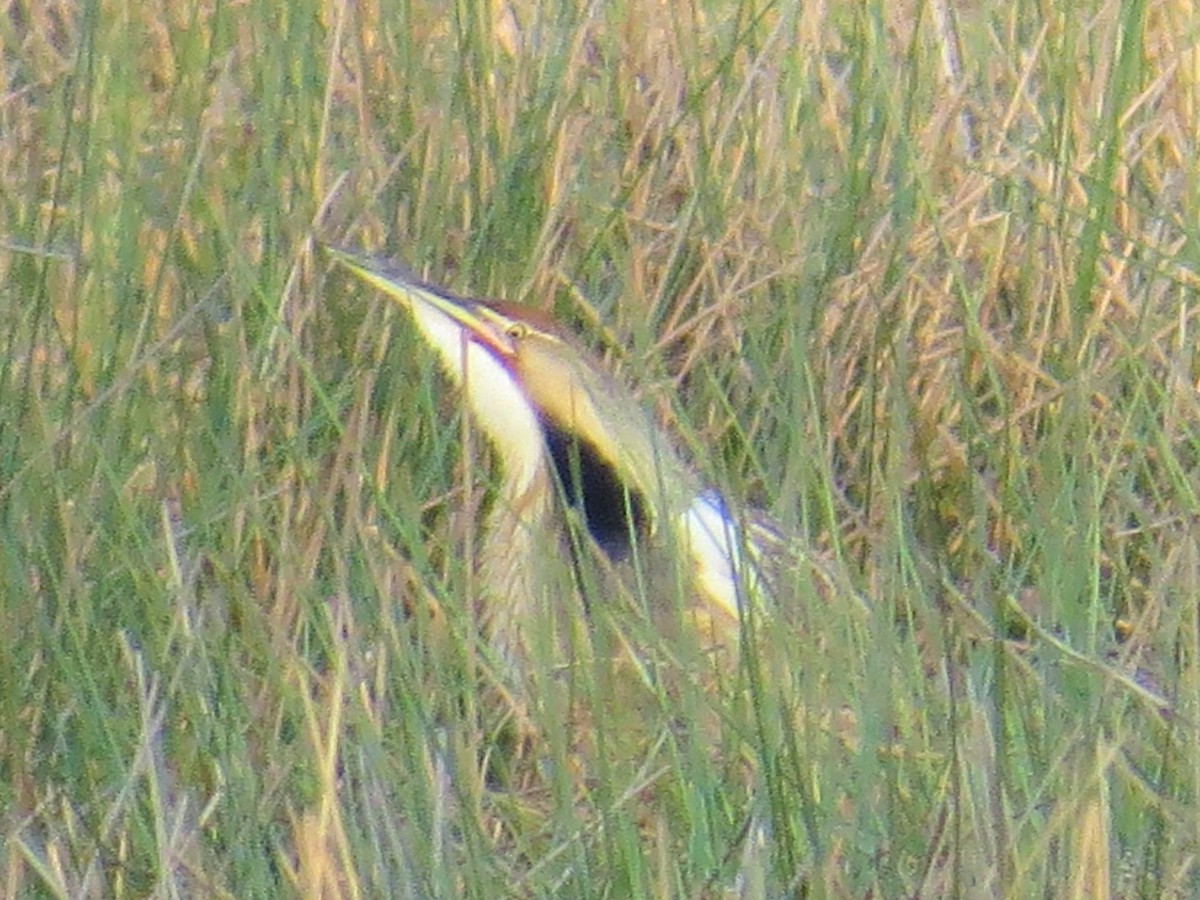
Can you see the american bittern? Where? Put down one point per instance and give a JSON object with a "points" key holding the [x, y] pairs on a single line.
{"points": [[569, 436]]}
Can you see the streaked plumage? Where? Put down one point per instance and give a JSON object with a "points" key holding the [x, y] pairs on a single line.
{"points": [[555, 417]]}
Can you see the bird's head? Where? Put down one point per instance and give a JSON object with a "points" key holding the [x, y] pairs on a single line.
{"points": [[537, 394]]}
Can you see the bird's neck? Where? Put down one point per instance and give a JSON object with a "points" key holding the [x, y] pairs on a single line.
{"points": [[527, 498], [518, 538]]}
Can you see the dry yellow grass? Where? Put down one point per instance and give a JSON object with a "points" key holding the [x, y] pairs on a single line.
{"points": [[920, 279]]}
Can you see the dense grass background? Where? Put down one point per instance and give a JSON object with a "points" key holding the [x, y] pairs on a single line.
{"points": [[923, 285]]}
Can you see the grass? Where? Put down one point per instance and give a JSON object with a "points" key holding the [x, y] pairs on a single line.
{"points": [[934, 310]]}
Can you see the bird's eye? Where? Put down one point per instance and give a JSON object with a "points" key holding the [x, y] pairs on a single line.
{"points": [[516, 330]]}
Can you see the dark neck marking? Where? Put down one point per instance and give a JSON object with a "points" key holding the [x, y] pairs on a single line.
{"points": [[593, 486]]}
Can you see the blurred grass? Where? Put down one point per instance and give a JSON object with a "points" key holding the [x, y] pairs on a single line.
{"points": [[933, 309]]}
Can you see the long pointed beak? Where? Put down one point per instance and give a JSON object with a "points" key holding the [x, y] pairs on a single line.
{"points": [[407, 291]]}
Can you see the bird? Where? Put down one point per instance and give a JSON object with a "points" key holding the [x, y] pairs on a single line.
{"points": [[574, 444]]}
